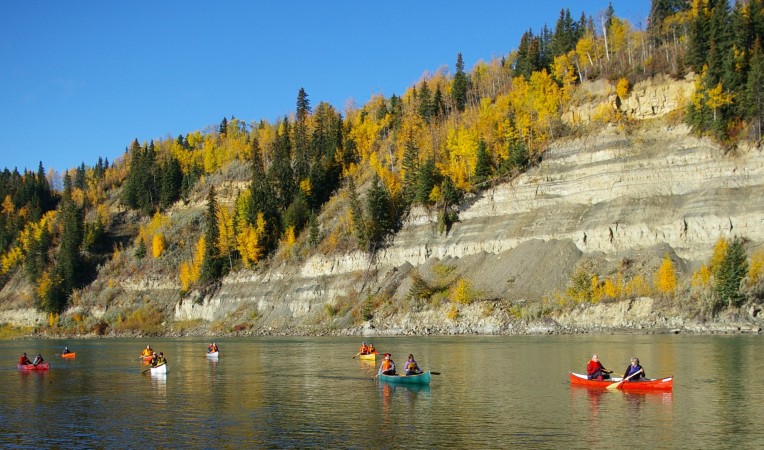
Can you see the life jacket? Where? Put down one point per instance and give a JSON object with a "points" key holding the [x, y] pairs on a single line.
{"points": [[371, 349], [412, 366], [147, 352], [161, 360], [24, 360], [387, 365], [364, 350]]}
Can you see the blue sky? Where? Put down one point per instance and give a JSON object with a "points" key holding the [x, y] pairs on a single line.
{"points": [[82, 79]]}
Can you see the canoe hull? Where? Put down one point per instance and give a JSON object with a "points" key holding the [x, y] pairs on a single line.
{"points": [[213, 354], [368, 357], [43, 366], [657, 384], [421, 379], [69, 355], [160, 369]]}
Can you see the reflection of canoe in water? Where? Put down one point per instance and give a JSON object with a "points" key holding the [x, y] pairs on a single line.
{"points": [[41, 366], [368, 356], [213, 354], [69, 355], [658, 384], [160, 369], [422, 378]]}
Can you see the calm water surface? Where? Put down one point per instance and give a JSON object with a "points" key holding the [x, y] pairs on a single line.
{"points": [[493, 392]]}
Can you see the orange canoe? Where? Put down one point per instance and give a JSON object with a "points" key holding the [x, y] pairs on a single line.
{"points": [[69, 355]]}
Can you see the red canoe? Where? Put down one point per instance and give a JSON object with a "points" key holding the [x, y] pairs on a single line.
{"points": [[41, 366], [658, 384]]}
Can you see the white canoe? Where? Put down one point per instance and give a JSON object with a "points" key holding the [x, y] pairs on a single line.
{"points": [[160, 369], [213, 354]]}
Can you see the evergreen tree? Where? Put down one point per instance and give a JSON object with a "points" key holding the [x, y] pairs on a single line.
{"points": [[356, 215], [438, 105], [699, 40], [69, 261], [410, 165], [262, 199], [315, 234], [425, 102], [426, 181], [301, 144], [459, 85], [754, 90], [482, 164], [730, 274], [171, 182], [379, 208], [211, 266], [223, 129], [280, 173]]}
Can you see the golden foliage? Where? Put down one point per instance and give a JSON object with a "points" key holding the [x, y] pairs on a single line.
{"points": [[665, 278], [701, 278], [157, 245], [226, 234], [289, 238], [191, 270], [462, 292], [756, 267], [248, 241], [622, 88], [638, 287], [10, 260], [453, 312], [720, 252]]}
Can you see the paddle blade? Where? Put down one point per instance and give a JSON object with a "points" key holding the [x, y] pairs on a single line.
{"points": [[435, 373], [615, 386]]}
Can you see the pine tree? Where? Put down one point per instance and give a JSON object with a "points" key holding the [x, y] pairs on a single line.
{"points": [[301, 145], [379, 208], [459, 85], [410, 166], [425, 102], [754, 91], [211, 266], [731, 272], [356, 215], [482, 164], [69, 261]]}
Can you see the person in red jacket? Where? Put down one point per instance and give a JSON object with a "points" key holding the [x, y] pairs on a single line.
{"points": [[595, 370], [23, 360]]}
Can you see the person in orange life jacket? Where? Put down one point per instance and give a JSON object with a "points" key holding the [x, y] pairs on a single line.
{"points": [[38, 359], [634, 368], [411, 367], [212, 348], [23, 360], [364, 349], [388, 366], [372, 349], [596, 371], [147, 351]]}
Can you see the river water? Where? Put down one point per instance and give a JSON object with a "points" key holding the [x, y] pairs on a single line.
{"points": [[492, 392]]}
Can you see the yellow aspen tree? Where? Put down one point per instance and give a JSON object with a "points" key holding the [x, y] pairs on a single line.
{"points": [[665, 278], [226, 234], [248, 241], [157, 245], [10, 260], [719, 253], [191, 270], [756, 267], [289, 238], [718, 98], [462, 292], [622, 88], [701, 278]]}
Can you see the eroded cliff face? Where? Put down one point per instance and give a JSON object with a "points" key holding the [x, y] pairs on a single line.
{"points": [[634, 193], [608, 194]]}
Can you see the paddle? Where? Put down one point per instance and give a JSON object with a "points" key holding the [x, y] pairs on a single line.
{"points": [[618, 384], [356, 355], [434, 373]]}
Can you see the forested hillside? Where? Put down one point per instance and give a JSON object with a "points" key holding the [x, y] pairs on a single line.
{"points": [[245, 195]]}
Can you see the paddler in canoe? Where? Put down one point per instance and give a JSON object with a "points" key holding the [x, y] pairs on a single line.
{"points": [[388, 366], [24, 360], [158, 360], [147, 352], [596, 371], [38, 359], [633, 371], [66, 351], [410, 367], [212, 348]]}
